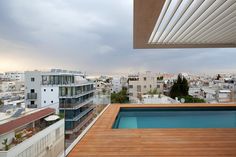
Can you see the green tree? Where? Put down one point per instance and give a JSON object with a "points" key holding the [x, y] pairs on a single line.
{"points": [[218, 77], [180, 87], [5, 144], [160, 78], [120, 97], [1, 103], [190, 99]]}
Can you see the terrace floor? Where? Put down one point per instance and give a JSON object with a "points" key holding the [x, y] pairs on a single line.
{"points": [[101, 140]]}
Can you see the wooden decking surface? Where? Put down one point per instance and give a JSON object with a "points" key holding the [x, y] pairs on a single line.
{"points": [[101, 140]]}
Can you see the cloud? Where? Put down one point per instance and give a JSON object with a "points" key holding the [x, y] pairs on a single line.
{"points": [[91, 36]]}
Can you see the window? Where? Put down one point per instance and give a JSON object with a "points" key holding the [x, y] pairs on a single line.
{"points": [[44, 102], [32, 102], [51, 101], [44, 90], [144, 86], [130, 86], [32, 79], [158, 86], [144, 78], [32, 91], [150, 86], [138, 88], [51, 90]]}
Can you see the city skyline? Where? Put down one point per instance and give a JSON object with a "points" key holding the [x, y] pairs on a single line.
{"points": [[90, 36]]}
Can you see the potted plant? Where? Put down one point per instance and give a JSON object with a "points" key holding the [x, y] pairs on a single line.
{"points": [[5, 144]]}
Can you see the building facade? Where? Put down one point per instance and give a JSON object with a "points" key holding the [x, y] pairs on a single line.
{"points": [[14, 76], [69, 92], [30, 135], [118, 82], [143, 83]]}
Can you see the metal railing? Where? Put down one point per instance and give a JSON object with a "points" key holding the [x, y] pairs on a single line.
{"points": [[31, 96]]}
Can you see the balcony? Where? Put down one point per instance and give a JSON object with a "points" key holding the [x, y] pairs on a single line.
{"points": [[75, 105], [81, 114], [81, 125], [77, 95], [32, 105], [24, 139], [31, 96]]}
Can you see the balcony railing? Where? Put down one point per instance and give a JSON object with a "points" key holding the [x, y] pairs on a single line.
{"points": [[81, 125], [31, 96], [81, 114], [32, 106], [77, 95], [75, 105]]}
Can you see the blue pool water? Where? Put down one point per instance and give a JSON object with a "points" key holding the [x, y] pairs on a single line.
{"points": [[176, 118]]}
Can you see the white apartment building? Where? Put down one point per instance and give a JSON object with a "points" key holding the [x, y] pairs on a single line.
{"points": [[14, 75], [7, 86], [69, 92], [224, 96], [11, 86], [143, 83], [31, 135], [118, 82]]}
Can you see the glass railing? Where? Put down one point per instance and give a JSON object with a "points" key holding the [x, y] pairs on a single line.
{"points": [[75, 105]]}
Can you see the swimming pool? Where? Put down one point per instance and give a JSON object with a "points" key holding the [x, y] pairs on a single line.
{"points": [[194, 117]]}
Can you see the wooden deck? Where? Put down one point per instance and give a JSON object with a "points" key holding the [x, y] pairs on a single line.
{"points": [[101, 140]]}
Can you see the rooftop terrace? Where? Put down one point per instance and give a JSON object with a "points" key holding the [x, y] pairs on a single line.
{"points": [[102, 140]]}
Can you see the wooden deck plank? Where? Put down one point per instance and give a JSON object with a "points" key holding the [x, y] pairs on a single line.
{"points": [[102, 140]]}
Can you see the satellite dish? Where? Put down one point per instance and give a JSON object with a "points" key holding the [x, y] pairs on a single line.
{"points": [[182, 100]]}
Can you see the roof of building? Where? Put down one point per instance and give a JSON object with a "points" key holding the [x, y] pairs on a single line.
{"points": [[225, 91], [16, 123]]}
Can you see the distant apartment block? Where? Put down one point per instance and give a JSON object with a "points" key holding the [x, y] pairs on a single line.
{"points": [[35, 133], [12, 76], [118, 82], [143, 83], [69, 92], [224, 96]]}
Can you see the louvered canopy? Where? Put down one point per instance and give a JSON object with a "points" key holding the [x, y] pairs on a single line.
{"points": [[184, 23]]}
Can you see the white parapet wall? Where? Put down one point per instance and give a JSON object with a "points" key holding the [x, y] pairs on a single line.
{"points": [[47, 143]]}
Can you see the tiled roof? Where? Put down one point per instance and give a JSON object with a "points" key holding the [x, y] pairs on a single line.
{"points": [[14, 124]]}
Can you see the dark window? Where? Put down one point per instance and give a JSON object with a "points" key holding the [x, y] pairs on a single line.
{"points": [[51, 101], [44, 102], [32, 91], [51, 90], [144, 78], [130, 86], [138, 88], [32, 102], [32, 79], [44, 90]]}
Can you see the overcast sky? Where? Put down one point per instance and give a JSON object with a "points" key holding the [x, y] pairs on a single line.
{"points": [[90, 35]]}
